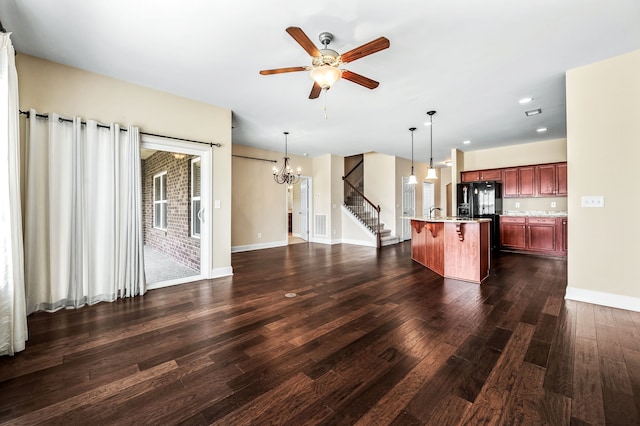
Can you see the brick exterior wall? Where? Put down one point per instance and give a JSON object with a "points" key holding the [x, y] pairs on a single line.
{"points": [[176, 241]]}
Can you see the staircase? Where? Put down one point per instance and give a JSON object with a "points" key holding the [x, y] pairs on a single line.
{"points": [[363, 209], [365, 216]]}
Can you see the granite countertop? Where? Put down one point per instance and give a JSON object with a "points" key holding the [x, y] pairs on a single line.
{"points": [[535, 213], [447, 219]]}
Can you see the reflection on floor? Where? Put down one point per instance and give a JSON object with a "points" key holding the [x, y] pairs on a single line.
{"points": [[295, 240], [160, 267]]}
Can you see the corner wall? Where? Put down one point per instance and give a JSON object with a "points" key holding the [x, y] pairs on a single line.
{"points": [[603, 147]]}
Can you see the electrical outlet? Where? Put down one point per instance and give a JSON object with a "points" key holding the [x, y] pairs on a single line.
{"points": [[259, 235], [592, 201], [517, 205], [553, 204]]}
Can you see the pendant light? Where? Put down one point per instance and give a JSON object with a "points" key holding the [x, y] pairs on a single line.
{"points": [[412, 178], [431, 173], [286, 175]]}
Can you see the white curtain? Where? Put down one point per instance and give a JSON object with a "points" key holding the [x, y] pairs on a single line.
{"points": [[83, 214], [13, 318]]}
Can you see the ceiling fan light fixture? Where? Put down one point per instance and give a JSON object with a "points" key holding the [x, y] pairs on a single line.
{"points": [[325, 75]]}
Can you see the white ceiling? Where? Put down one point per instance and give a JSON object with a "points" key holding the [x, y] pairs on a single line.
{"points": [[469, 60]]}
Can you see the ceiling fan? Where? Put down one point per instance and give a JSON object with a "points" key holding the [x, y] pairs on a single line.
{"points": [[325, 62]]}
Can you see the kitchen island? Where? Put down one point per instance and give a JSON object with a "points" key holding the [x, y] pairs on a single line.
{"points": [[452, 247]]}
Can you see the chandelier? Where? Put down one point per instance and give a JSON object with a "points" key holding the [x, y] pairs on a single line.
{"points": [[285, 174]]}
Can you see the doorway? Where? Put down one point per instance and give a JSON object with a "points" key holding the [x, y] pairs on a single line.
{"points": [[428, 198], [299, 210], [176, 197]]}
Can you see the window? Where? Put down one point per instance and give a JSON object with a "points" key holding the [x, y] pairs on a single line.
{"points": [[195, 197], [160, 201]]}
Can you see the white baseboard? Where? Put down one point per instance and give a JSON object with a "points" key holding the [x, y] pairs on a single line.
{"points": [[224, 271], [177, 281], [248, 247], [605, 299], [325, 240]]}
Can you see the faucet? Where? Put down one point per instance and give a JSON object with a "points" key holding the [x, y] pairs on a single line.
{"points": [[432, 209]]}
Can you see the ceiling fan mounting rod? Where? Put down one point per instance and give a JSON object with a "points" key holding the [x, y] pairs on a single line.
{"points": [[325, 38]]}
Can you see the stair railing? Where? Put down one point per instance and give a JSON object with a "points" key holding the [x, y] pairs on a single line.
{"points": [[362, 208]]}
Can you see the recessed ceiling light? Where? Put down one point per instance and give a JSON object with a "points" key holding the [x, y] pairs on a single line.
{"points": [[541, 130], [533, 112], [525, 100], [466, 142], [427, 123]]}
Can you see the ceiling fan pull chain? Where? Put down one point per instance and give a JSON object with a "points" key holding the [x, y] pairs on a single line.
{"points": [[324, 108]]}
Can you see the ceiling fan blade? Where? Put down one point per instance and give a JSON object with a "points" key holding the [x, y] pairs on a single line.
{"points": [[360, 79], [282, 70], [304, 41], [315, 91], [374, 46]]}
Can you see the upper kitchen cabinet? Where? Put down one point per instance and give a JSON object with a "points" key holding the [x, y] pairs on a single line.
{"points": [[518, 182], [510, 182], [481, 175], [551, 180], [561, 176], [526, 181], [547, 181]]}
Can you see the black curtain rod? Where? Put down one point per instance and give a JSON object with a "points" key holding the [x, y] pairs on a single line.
{"points": [[122, 129], [254, 158]]}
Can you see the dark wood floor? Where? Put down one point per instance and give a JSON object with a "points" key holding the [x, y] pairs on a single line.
{"points": [[371, 339]]}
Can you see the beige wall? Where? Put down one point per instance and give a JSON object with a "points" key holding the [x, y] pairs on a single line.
{"points": [[603, 147], [51, 87], [259, 204], [550, 151], [322, 187], [337, 197], [380, 186]]}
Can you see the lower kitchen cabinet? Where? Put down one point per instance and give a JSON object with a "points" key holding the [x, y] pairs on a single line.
{"points": [[540, 235]]}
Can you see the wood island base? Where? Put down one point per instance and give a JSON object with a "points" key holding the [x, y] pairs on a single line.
{"points": [[453, 248]]}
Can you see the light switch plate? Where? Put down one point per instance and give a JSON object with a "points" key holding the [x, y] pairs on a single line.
{"points": [[592, 201], [217, 204]]}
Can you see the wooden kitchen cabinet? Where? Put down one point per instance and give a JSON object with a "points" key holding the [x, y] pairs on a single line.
{"points": [[481, 175], [471, 176], [526, 181], [540, 235], [542, 180], [562, 224], [561, 176], [510, 182], [547, 180], [518, 182], [551, 180], [513, 232]]}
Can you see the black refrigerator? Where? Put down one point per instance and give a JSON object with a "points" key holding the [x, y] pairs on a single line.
{"points": [[482, 200]]}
